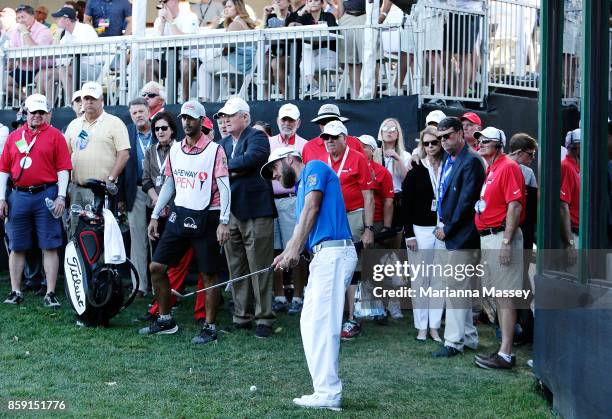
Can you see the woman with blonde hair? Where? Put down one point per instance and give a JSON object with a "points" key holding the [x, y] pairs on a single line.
{"points": [[419, 206], [233, 59]]}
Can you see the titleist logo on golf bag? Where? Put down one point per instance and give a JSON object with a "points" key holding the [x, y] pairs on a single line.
{"points": [[75, 274], [190, 223]]}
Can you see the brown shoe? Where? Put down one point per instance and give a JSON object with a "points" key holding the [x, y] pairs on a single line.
{"points": [[494, 362], [480, 357]]}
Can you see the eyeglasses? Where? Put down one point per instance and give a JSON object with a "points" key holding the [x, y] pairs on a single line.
{"points": [[430, 143], [531, 153], [24, 8], [150, 95], [163, 128], [38, 112], [389, 129], [331, 137]]}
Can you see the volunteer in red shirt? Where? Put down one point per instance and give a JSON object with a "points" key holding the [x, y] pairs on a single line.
{"points": [[37, 161], [471, 123], [499, 211], [357, 185], [570, 191], [383, 186], [315, 148]]}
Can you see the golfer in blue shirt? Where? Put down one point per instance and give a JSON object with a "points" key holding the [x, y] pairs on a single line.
{"points": [[323, 229]]}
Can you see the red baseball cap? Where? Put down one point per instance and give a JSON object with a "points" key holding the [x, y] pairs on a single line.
{"points": [[207, 123], [472, 117]]}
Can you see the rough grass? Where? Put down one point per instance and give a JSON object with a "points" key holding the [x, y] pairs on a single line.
{"points": [[117, 373]]}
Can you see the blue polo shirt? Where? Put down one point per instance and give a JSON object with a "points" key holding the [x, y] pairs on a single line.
{"points": [[332, 222], [108, 16]]}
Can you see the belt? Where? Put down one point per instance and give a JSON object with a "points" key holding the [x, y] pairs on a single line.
{"points": [[332, 243], [575, 231], [355, 12], [284, 195], [489, 231], [34, 189]]}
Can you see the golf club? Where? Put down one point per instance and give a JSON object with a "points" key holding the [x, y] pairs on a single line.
{"points": [[178, 294]]}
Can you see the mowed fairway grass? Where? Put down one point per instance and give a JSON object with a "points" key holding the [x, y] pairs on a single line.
{"points": [[115, 372]]}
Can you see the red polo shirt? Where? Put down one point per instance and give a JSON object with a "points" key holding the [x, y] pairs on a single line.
{"points": [[570, 188], [315, 148], [504, 184], [49, 155], [355, 178], [383, 188]]}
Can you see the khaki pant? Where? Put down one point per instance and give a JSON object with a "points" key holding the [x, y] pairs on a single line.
{"points": [[249, 249], [137, 219], [357, 226]]}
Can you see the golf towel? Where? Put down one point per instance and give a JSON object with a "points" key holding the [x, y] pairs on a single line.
{"points": [[114, 250]]}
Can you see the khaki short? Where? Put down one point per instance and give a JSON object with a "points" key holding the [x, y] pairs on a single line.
{"points": [[355, 219], [353, 40], [502, 277]]}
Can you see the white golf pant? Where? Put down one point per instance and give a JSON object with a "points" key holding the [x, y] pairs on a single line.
{"points": [[331, 271]]}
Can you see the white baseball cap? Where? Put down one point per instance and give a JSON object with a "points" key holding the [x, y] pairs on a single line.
{"points": [[194, 109], [289, 110], [36, 102], [76, 95], [93, 89], [572, 137], [491, 133], [334, 128], [234, 105], [277, 154], [329, 111], [368, 140], [434, 117]]}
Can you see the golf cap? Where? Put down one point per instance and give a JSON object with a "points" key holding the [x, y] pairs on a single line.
{"points": [[572, 137], [207, 123], [36, 102], [472, 117], [91, 88], [76, 95], [434, 117], [234, 105], [68, 12], [368, 140], [193, 109], [289, 110], [334, 128], [329, 111], [277, 154], [491, 133]]}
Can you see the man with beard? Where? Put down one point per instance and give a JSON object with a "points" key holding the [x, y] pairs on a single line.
{"points": [[284, 198], [131, 196], [197, 171], [323, 229]]}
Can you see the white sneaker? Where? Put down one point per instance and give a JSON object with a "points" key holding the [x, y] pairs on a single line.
{"points": [[394, 309], [314, 401]]}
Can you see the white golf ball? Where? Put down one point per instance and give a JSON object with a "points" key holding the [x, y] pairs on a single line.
{"points": [[253, 388]]}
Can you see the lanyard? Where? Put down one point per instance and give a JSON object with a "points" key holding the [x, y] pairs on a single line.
{"points": [[329, 163], [434, 178], [91, 126], [28, 148], [159, 163], [142, 147]]}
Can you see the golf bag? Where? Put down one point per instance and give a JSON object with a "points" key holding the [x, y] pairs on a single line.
{"points": [[95, 289]]}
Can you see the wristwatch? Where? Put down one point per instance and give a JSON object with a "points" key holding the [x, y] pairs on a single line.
{"points": [[571, 243], [224, 222], [112, 179], [371, 228], [506, 241]]}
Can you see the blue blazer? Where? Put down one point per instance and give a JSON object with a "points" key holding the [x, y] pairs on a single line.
{"points": [[128, 181], [457, 205], [252, 196]]}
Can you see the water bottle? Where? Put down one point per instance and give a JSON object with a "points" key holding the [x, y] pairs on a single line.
{"points": [[51, 206]]}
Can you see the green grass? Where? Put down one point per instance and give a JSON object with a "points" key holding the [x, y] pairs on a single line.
{"points": [[385, 373]]}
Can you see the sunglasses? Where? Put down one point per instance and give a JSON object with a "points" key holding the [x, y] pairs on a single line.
{"points": [[530, 153], [150, 95], [487, 141], [445, 136], [331, 137], [163, 128], [430, 143], [38, 113], [389, 129]]}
